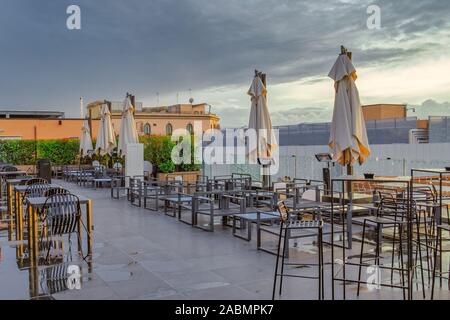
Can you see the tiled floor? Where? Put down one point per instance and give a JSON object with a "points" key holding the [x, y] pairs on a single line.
{"points": [[140, 254]]}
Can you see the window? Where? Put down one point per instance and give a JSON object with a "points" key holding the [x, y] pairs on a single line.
{"points": [[147, 129], [169, 129], [190, 128]]}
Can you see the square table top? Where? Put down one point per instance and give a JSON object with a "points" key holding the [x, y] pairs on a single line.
{"points": [[40, 201], [18, 180], [102, 179], [6, 173], [263, 216], [402, 179], [430, 170], [23, 188]]}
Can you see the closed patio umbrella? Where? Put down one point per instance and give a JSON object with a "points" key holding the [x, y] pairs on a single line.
{"points": [[106, 138], [128, 131], [348, 136], [85, 139], [261, 122]]}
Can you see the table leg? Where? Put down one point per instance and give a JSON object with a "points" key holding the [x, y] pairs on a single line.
{"points": [[33, 281], [19, 216], [31, 243], [1, 189], [9, 199], [89, 225], [349, 227], [258, 232]]}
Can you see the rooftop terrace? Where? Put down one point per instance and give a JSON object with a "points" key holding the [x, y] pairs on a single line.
{"points": [[141, 254]]}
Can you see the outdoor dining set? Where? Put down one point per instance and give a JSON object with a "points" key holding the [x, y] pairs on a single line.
{"points": [[397, 224], [40, 215]]}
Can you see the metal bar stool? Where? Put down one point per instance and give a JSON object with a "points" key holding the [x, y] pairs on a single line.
{"points": [[287, 224], [390, 215], [438, 248]]}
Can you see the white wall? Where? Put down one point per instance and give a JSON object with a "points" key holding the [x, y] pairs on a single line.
{"points": [[394, 159]]}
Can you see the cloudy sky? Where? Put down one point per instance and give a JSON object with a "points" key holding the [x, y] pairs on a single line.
{"points": [[212, 48]]}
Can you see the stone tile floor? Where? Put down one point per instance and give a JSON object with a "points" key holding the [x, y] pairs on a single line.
{"points": [[141, 254]]}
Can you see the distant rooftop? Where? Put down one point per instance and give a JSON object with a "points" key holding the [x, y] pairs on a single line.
{"points": [[31, 114]]}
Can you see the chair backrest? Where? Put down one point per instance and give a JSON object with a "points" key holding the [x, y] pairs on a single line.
{"points": [[36, 188], [61, 213], [391, 206], [36, 181], [9, 169], [283, 211], [57, 190]]}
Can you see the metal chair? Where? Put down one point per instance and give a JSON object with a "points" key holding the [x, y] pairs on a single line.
{"points": [[58, 190], [36, 181], [61, 215], [35, 188], [438, 254], [390, 215], [135, 191], [287, 225], [119, 184]]}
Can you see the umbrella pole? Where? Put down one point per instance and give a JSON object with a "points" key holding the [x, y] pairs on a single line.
{"points": [[265, 177]]}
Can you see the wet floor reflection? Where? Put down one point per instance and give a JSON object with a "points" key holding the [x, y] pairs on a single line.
{"points": [[55, 272]]}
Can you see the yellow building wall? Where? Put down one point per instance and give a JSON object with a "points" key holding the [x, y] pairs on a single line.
{"points": [[384, 111]]}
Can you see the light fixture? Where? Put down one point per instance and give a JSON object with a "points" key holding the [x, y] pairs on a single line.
{"points": [[324, 157]]}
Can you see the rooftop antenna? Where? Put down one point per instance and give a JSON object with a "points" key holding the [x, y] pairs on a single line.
{"points": [[178, 95], [157, 99]]}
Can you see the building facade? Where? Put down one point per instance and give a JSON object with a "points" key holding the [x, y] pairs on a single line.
{"points": [[149, 121]]}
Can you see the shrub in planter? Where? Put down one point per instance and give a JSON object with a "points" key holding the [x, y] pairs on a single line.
{"points": [[158, 150], [167, 167]]}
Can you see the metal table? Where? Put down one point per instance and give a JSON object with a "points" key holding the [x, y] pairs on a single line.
{"points": [[33, 207], [18, 192], [253, 217]]}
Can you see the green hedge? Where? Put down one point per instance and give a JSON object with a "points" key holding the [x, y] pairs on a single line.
{"points": [[157, 150], [23, 152], [18, 152], [59, 151]]}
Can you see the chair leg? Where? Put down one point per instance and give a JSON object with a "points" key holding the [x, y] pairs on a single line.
{"points": [[285, 248], [393, 254], [361, 257], [419, 248], [321, 273], [401, 263], [434, 266], [277, 261]]}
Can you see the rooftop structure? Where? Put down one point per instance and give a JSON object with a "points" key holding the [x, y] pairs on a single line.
{"points": [[31, 114]]}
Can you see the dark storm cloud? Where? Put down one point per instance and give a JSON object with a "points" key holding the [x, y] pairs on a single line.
{"points": [[168, 45]]}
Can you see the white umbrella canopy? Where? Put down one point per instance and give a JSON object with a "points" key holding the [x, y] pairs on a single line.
{"points": [[85, 139], [128, 131], [261, 122], [348, 136], [106, 138]]}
